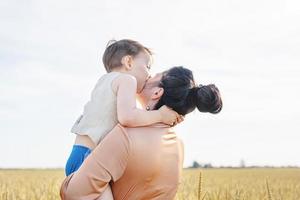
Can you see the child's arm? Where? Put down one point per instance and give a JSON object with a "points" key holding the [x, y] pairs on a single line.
{"points": [[129, 114]]}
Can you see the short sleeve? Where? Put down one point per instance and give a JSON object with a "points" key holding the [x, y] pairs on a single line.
{"points": [[112, 152], [107, 162]]}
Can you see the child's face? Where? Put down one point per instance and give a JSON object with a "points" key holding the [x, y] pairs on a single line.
{"points": [[140, 69]]}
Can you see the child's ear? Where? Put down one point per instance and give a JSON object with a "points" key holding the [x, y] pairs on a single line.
{"points": [[127, 62], [157, 93]]}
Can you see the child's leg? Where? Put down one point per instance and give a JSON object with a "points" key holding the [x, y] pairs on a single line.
{"points": [[76, 158], [107, 194]]}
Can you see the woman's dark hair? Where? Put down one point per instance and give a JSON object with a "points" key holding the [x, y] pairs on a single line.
{"points": [[182, 95]]}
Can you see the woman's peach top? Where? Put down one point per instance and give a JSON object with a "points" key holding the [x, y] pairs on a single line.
{"points": [[140, 163]]}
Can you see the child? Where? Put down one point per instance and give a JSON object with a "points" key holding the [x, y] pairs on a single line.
{"points": [[113, 100]]}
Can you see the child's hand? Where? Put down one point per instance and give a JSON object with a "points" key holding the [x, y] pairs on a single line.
{"points": [[180, 119], [169, 116]]}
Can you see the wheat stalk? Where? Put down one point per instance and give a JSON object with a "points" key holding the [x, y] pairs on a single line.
{"points": [[269, 191], [200, 186], [203, 196]]}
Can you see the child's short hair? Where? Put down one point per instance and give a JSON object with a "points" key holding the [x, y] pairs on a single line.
{"points": [[116, 50]]}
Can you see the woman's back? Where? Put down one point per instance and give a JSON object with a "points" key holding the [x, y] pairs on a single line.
{"points": [[154, 164]]}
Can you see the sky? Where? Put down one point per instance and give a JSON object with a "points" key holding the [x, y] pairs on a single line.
{"points": [[50, 60]]}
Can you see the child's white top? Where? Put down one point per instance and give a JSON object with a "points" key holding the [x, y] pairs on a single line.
{"points": [[100, 113]]}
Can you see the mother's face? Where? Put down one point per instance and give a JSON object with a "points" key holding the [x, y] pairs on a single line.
{"points": [[151, 92]]}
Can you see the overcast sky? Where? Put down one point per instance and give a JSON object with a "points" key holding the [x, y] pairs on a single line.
{"points": [[50, 60]]}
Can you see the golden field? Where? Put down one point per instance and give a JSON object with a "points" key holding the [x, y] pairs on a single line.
{"points": [[207, 184]]}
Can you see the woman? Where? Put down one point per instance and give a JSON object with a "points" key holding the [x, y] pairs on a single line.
{"points": [[146, 161]]}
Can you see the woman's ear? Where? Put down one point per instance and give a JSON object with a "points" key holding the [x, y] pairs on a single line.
{"points": [[127, 62], [158, 92]]}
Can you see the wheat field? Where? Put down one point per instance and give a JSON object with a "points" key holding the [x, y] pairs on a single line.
{"points": [[203, 184]]}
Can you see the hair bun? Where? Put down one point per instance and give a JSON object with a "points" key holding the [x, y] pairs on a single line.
{"points": [[207, 98], [181, 94]]}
